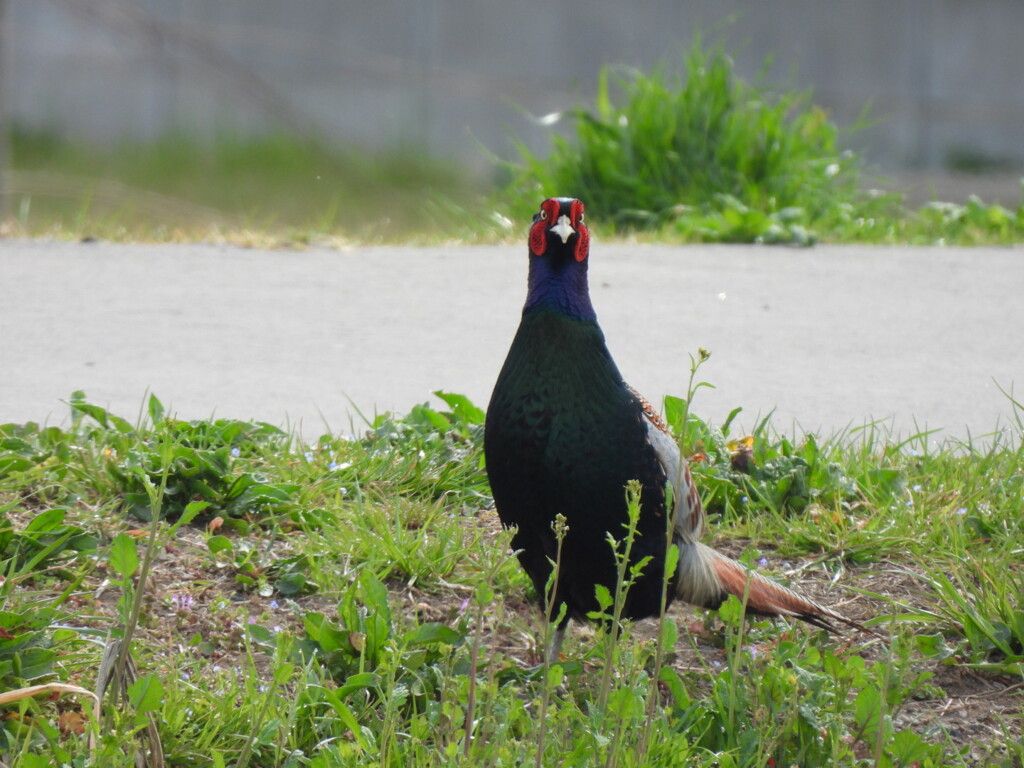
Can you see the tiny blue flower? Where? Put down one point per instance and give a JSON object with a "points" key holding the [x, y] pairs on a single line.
{"points": [[917, 487], [236, 451], [274, 605], [743, 499], [308, 455], [962, 511], [332, 466], [762, 561]]}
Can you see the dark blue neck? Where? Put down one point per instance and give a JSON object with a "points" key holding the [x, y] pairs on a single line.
{"points": [[559, 284]]}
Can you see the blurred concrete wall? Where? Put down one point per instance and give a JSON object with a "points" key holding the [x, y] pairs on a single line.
{"points": [[460, 76]]}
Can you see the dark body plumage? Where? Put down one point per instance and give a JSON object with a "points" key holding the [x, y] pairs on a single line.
{"points": [[565, 434]]}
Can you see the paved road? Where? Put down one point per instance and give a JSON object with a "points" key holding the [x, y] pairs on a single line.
{"points": [[829, 337]]}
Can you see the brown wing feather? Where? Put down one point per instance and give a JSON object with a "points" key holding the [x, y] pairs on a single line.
{"points": [[706, 577], [688, 514]]}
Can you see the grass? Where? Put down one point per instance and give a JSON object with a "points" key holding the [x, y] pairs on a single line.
{"points": [[698, 155], [659, 148], [354, 602], [221, 593], [276, 189], [704, 156]]}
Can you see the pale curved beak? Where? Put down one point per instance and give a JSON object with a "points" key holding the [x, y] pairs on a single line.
{"points": [[563, 228]]}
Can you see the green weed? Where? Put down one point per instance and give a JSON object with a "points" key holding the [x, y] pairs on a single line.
{"points": [[176, 187], [704, 156], [372, 617], [693, 156], [980, 597]]}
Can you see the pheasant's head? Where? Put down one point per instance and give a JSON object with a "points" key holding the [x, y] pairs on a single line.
{"points": [[558, 229], [559, 246]]}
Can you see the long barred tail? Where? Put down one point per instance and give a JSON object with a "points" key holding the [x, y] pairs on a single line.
{"points": [[706, 578]]}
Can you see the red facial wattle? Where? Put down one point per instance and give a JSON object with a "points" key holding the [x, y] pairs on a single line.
{"points": [[539, 231], [582, 233]]}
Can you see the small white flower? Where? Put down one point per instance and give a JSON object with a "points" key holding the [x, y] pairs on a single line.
{"points": [[549, 119], [502, 221]]}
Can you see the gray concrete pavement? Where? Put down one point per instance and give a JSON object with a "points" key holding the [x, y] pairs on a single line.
{"points": [[830, 337]]}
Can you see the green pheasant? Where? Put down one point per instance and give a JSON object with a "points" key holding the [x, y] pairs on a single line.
{"points": [[565, 434]]}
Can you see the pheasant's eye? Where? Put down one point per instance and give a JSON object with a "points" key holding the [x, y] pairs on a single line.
{"points": [[543, 214], [581, 218]]}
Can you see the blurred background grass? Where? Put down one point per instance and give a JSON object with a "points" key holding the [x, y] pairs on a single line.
{"points": [[700, 157], [282, 186]]}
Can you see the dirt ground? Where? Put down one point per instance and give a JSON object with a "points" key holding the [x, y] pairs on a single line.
{"points": [[190, 595]]}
